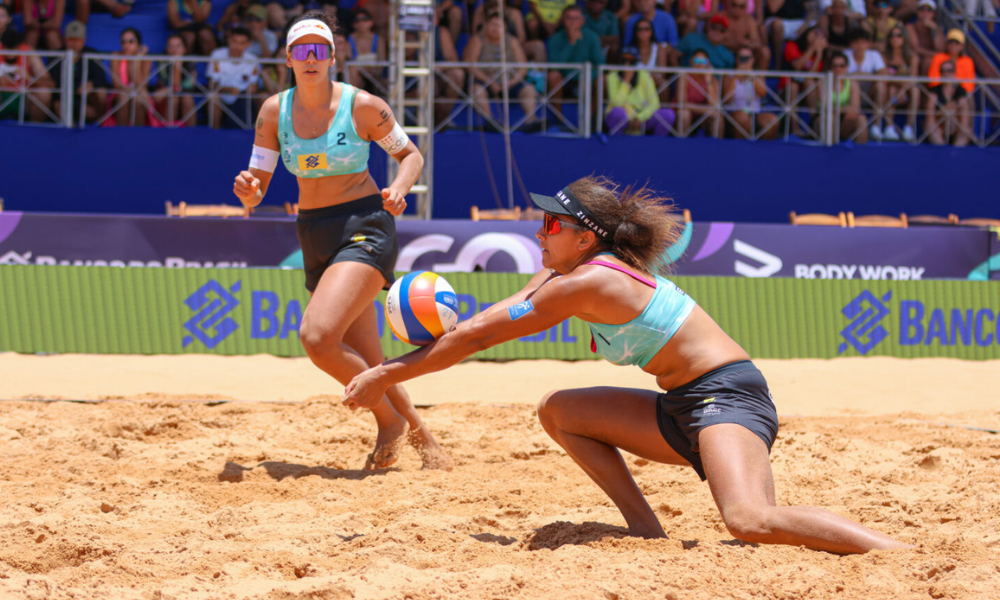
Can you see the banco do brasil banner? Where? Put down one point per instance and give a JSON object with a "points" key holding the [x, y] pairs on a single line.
{"points": [[749, 250], [68, 309]]}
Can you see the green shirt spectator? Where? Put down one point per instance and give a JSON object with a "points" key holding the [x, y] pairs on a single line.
{"points": [[587, 49]]}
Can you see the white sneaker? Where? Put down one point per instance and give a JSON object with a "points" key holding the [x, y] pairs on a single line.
{"points": [[890, 134], [908, 134], [874, 132]]}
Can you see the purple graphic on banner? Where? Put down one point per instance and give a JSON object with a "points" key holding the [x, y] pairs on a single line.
{"points": [[8, 223], [718, 234], [724, 249]]}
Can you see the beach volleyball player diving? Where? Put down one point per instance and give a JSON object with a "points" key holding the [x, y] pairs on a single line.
{"points": [[322, 131], [601, 248]]}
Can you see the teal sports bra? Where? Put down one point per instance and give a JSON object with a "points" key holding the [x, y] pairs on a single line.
{"points": [[341, 151], [638, 341]]}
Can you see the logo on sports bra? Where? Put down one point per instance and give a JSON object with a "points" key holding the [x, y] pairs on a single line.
{"points": [[311, 162]]}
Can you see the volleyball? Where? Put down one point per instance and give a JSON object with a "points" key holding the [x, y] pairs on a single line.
{"points": [[420, 307]]}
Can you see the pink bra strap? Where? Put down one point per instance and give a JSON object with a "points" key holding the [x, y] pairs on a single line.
{"points": [[639, 278]]}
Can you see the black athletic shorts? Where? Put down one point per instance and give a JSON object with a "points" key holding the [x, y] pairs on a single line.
{"points": [[733, 393], [356, 231]]}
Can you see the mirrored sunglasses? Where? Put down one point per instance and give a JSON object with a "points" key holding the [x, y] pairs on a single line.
{"points": [[553, 225], [302, 51]]}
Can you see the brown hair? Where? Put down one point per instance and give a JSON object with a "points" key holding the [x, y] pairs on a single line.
{"points": [[642, 220]]}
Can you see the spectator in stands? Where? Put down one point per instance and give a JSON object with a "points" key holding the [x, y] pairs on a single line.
{"points": [[901, 61], [513, 17], [926, 34], [190, 19], [880, 24], [838, 25], [805, 54], [649, 52], [448, 14], [698, 99], [862, 59], [691, 14], [742, 94], [846, 97], [904, 10], [663, 24], [744, 31], [544, 18], [948, 108], [83, 8], [281, 12], [487, 82], [96, 85], [366, 46], [604, 23], [18, 70], [634, 102], [129, 78], [856, 11], [173, 97], [42, 21], [977, 9], [263, 41], [711, 44], [572, 44], [233, 73], [450, 81], [784, 20]]}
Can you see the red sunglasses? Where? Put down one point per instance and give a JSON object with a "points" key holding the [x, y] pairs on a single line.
{"points": [[553, 225]]}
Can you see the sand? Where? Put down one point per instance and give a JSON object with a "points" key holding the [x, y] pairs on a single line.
{"points": [[202, 477]]}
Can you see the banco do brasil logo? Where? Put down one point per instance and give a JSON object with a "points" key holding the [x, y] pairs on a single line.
{"points": [[957, 320], [865, 330], [211, 323]]}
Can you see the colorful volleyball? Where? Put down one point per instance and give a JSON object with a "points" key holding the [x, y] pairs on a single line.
{"points": [[420, 307]]}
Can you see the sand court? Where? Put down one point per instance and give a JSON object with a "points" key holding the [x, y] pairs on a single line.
{"points": [[238, 477]]}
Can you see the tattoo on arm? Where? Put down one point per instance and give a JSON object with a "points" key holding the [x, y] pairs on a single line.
{"points": [[260, 125], [385, 117]]}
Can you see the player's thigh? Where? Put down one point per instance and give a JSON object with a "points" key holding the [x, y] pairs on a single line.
{"points": [[737, 465], [344, 291], [621, 417]]}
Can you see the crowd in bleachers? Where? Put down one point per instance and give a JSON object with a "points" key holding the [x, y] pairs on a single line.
{"points": [[876, 37]]}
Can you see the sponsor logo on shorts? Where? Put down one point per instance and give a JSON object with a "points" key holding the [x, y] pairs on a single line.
{"points": [[311, 162], [866, 312], [211, 304], [358, 238]]}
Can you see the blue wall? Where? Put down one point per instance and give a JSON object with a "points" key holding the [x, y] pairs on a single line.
{"points": [[127, 170]]}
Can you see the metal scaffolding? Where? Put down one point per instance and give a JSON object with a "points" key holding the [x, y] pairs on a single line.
{"points": [[411, 88]]}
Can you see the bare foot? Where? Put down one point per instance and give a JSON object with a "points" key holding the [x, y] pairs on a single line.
{"points": [[387, 447], [431, 453]]}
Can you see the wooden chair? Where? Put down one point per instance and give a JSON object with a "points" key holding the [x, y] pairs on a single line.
{"points": [[532, 214], [951, 219], [979, 222], [817, 219], [183, 209], [499, 214], [877, 220]]}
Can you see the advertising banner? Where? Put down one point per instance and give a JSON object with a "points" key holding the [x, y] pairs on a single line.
{"points": [[458, 246], [105, 310]]}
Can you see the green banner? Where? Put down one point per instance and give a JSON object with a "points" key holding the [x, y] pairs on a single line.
{"points": [[107, 310]]}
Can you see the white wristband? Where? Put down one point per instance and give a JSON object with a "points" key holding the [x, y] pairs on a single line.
{"points": [[395, 141], [264, 159]]}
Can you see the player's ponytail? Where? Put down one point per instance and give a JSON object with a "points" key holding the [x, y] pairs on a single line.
{"points": [[643, 222]]}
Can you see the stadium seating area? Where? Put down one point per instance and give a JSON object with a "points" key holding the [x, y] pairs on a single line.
{"points": [[630, 46]]}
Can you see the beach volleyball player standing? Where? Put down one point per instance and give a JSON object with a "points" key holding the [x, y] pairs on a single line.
{"points": [[322, 130]]}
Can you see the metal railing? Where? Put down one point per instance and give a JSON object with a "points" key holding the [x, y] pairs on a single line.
{"points": [[913, 102], [798, 108], [459, 102], [795, 104], [30, 94]]}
